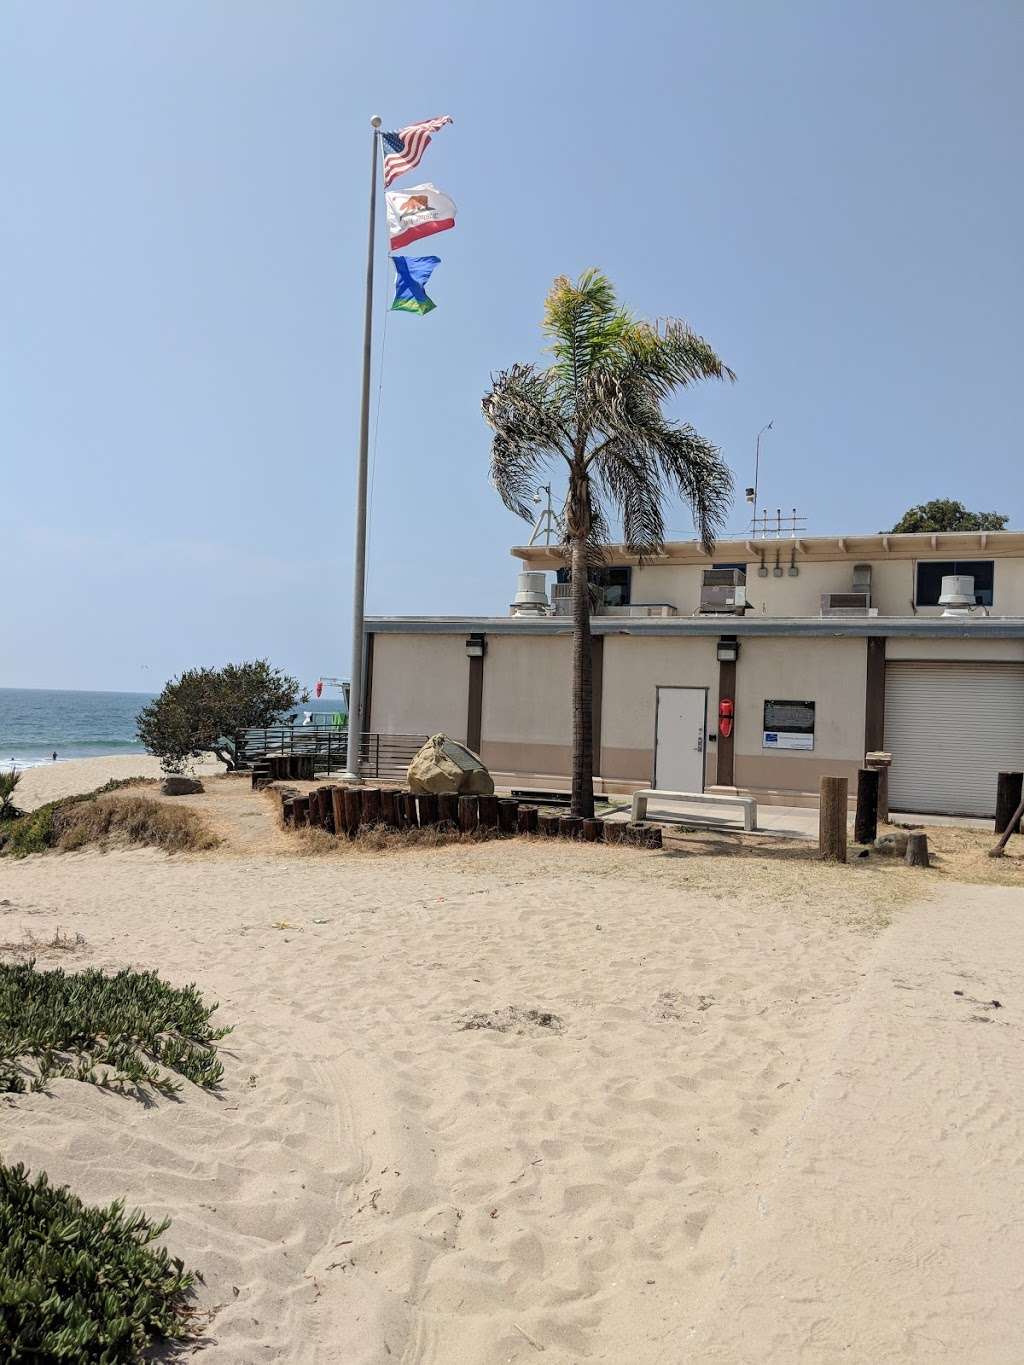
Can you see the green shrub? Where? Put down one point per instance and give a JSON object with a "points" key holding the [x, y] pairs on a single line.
{"points": [[107, 1030], [8, 783], [82, 1284]]}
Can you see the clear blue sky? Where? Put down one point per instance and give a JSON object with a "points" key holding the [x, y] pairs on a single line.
{"points": [[830, 192]]}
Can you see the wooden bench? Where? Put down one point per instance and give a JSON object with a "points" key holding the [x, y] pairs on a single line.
{"points": [[747, 803]]}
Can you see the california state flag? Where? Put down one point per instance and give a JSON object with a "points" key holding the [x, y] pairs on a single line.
{"points": [[417, 212]]}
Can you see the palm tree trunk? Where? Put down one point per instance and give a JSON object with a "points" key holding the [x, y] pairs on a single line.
{"points": [[582, 687]]}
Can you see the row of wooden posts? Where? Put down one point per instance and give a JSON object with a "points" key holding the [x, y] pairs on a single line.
{"points": [[346, 810]]}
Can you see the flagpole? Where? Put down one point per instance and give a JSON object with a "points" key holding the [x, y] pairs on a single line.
{"points": [[355, 690]]}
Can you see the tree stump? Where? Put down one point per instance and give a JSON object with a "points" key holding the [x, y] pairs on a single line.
{"points": [[448, 808], [353, 810], [615, 831], [526, 820], [570, 826], [548, 824], [371, 805], [593, 831], [650, 836], [300, 807], [428, 808], [508, 815], [917, 851], [411, 816], [865, 824], [288, 810], [1009, 787], [832, 815], [488, 812], [338, 810], [635, 833], [469, 813]]}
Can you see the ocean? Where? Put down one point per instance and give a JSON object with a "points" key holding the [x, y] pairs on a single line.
{"points": [[35, 723]]}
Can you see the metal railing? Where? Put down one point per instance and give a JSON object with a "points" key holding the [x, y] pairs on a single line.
{"points": [[381, 756]]}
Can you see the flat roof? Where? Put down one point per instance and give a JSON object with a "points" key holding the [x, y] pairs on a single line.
{"points": [[934, 627], [884, 545]]}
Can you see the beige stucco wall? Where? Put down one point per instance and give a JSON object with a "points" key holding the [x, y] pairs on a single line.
{"points": [[832, 674], [526, 717], [633, 669], [676, 584], [420, 685]]}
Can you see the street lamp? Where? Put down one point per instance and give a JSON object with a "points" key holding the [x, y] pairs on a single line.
{"points": [[752, 492]]}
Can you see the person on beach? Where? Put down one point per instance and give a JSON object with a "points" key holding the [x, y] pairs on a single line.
{"points": [[55, 755]]}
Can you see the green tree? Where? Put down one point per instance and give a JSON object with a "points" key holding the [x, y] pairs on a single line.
{"points": [[199, 712], [596, 412], [946, 514]]}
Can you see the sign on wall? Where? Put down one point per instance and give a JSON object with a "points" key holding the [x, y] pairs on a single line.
{"points": [[788, 725]]}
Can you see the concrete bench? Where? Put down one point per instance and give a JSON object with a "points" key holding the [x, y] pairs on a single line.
{"points": [[747, 803]]}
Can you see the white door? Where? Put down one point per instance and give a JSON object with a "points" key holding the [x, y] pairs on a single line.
{"points": [[951, 728], [680, 739]]}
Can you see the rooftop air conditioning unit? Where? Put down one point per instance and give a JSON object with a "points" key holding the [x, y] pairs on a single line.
{"points": [[723, 592], [847, 604]]}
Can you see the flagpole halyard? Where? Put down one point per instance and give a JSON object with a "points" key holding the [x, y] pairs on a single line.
{"points": [[355, 705]]}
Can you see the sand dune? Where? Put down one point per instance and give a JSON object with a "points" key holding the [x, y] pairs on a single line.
{"points": [[378, 1183], [51, 781]]}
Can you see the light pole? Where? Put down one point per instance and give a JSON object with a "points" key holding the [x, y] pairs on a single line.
{"points": [[752, 492]]}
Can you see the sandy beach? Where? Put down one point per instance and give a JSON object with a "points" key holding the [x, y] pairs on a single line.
{"points": [[533, 1101]]}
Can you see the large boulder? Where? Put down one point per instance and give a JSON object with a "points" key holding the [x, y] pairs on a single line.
{"points": [[445, 765], [181, 786]]}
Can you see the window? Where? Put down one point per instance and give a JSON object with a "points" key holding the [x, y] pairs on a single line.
{"points": [[613, 583], [788, 725], [931, 572]]}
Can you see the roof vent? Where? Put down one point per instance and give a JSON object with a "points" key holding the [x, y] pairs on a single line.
{"points": [[957, 596], [531, 597]]}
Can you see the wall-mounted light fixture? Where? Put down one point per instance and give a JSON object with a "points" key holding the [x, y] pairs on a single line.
{"points": [[476, 646], [728, 650]]}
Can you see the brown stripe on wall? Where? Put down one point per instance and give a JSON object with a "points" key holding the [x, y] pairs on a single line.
{"points": [[475, 707], [368, 684], [597, 692], [874, 698], [726, 743]]}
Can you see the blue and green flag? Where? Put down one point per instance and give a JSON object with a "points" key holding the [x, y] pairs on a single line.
{"points": [[412, 274]]}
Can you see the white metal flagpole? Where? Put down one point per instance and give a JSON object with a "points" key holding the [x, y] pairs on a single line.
{"points": [[355, 694]]}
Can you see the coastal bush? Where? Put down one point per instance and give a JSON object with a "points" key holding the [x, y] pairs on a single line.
{"points": [[200, 712], [8, 783], [75, 821], [81, 1283], [107, 1030]]}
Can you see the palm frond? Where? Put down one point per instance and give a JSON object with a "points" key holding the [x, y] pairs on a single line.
{"points": [[586, 328], [526, 420]]}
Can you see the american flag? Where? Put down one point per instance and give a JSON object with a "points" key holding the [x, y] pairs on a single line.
{"points": [[404, 150]]}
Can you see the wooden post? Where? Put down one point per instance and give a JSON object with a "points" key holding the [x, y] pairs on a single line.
{"points": [[448, 808], [1004, 838], [469, 813], [1009, 787], [527, 820], [615, 831], [326, 810], [570, 826], [917, 850], [865, 825], [488, 812], [651, 836], [548, 824], [832, 819], [635, 833], [387, 806], [337, 806], [508, 815], [314, 809], [300, 807], [288, 810], [409, 808], [353, 810], [371, 805], [428, 808], [882, 760], [593, 831]]}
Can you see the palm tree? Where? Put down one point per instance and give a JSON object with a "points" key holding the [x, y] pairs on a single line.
{"points": [[598, 407]]}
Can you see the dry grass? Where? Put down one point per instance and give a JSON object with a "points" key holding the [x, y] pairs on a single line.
{"points": [[35, 945], [381, 839], [131, 820]]}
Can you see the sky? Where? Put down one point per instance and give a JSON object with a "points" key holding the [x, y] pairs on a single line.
{"points": [[829, 192]]}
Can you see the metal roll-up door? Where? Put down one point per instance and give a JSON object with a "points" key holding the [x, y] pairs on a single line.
{"points": [[951, 728]]}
